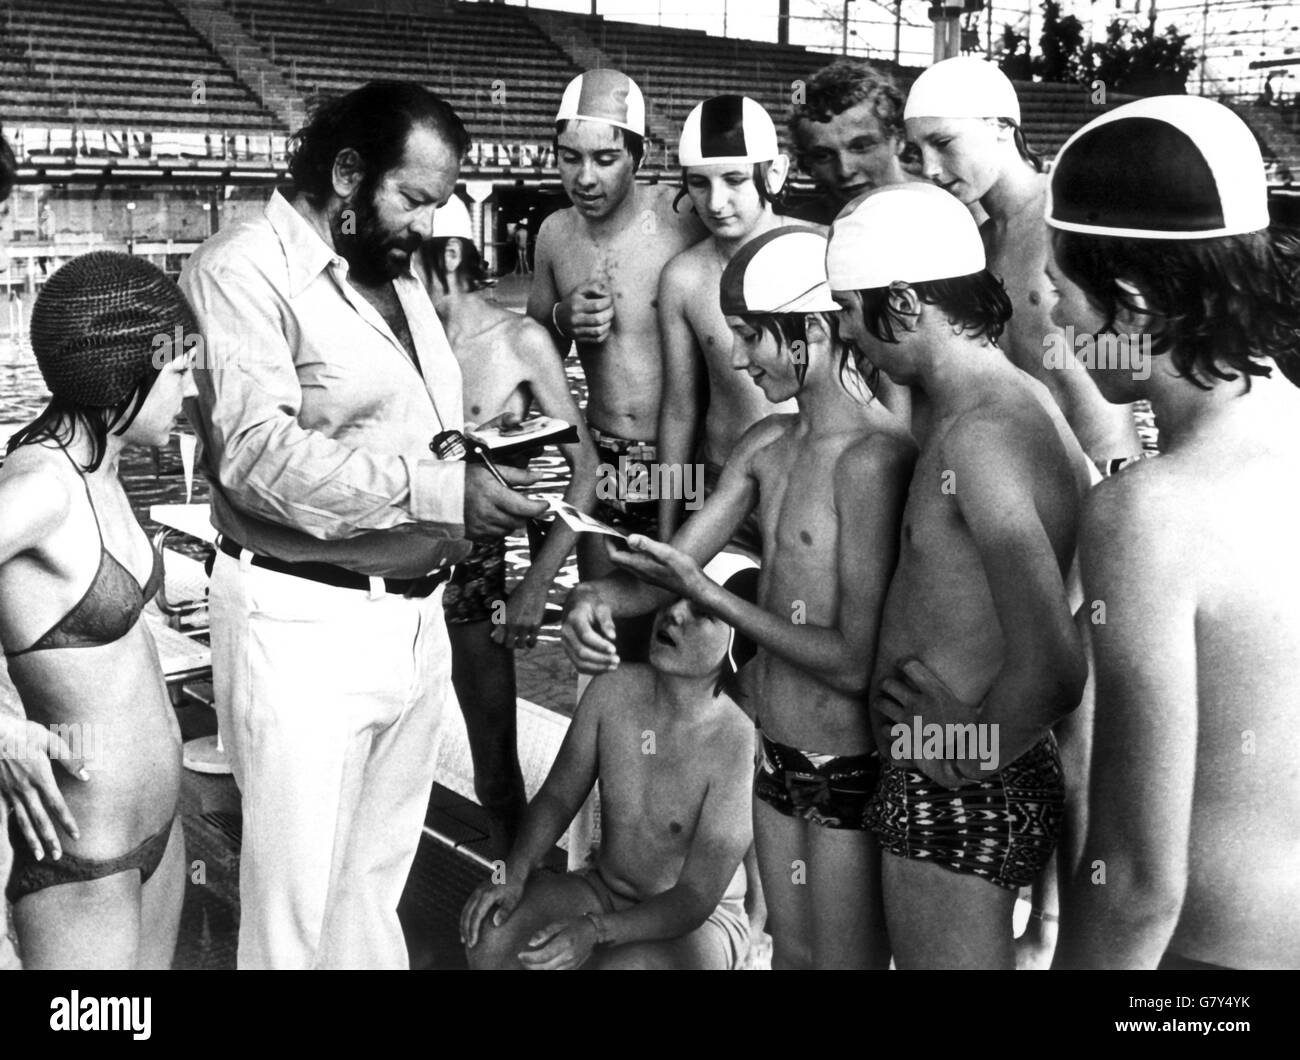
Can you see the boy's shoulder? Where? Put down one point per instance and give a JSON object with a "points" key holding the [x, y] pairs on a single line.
{"points": [[611, 692], [688, 266]]}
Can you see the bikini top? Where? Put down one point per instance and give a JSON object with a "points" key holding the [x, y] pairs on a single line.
{"points": [[109, 608]]}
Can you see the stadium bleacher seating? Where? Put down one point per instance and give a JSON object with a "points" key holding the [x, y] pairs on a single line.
{"points": [[111, 65], [105, 78]]}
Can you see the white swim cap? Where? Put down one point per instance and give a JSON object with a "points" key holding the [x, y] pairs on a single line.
{"points": [[452, 220], [604, 95], [962, 87], [727, 130], [782, 271], [904, 232], [1167, 167]]}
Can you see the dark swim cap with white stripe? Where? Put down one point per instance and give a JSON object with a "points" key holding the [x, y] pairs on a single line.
{"points": [[1168, 167], [727, 130]]}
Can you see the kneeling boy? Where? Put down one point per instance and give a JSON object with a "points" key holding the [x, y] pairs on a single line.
{"points": [[674, 758]]}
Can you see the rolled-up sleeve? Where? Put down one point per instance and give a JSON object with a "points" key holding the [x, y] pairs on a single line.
{"points": [[266, 462]]}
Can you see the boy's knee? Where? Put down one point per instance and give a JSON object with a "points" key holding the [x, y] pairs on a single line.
{"points": [[495, 950]]}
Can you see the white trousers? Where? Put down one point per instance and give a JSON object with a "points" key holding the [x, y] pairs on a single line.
{"points": [[328, 700]]}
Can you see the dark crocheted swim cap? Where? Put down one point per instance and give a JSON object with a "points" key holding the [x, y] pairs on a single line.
{"points": [[98, 325]]}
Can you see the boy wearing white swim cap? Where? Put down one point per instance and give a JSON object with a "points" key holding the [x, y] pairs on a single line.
{"points": [[964, 115], [596, 275], [977, 642], [733, 172], [827, 484], [1194, 793]]}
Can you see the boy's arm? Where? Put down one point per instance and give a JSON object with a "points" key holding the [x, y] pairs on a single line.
{"points": [[550, 390], [1044, 667], [868, 519], [1123, 904], [566, 787], [544, 293], [588, 633], [722, 835], [679, 411]]}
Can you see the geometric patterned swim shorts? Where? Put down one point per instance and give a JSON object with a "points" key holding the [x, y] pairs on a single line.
{"points": [[1003, 829], [477, 583]]}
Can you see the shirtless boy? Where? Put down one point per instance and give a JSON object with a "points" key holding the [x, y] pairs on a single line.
{"points": [[597, 266], [733, 171], [977, 630], [848, 136], [828, 484], [508, 365], [964, 115], [1195, 798], [674, 758]]}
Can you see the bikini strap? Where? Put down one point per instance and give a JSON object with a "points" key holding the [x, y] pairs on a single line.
{"points": [[85, 482]]}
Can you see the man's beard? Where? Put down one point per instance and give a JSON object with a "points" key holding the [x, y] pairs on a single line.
{"points": [[365, 245]]}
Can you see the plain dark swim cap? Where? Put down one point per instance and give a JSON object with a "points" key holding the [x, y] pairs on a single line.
{"points": [[96, 323]]}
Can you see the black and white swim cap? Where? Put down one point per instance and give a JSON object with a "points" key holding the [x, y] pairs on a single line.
{"points": [[781, 271], [727, 130], [1167, 167]]}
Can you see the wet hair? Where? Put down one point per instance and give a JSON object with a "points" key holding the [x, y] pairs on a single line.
{"points": [[759, 175], [59, 421], [635, 144], [786, 329], [843, 84], [472, 267], [978, 303], [8, 169], [789, 328], [1031, 156], [375, 121], [1214, 305]]}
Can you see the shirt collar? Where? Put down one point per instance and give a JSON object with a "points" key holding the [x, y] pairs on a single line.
{"points": [[305, 251]]}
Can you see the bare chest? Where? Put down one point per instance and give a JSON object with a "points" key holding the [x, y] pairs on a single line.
{"points": [[659, 789], [385, 301]]}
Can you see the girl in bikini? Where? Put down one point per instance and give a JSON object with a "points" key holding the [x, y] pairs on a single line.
{"points": [[98, 873]]}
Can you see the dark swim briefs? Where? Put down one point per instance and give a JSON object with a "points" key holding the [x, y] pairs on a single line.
{"points": [[477, 582], [623, 493], [29, 875], [829, 790], [1003, 829]]}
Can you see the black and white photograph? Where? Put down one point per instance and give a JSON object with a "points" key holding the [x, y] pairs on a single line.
{"points": [[677, 485]]}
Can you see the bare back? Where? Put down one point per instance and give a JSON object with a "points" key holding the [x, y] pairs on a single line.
{"points": [[1223, 715]]}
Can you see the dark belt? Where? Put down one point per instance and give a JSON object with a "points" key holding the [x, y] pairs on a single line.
{"points": [[329, 574]]}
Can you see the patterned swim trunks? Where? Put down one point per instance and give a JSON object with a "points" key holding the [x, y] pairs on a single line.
{"points": [[477, 583], [623, 495], [829, 790], [1003, 829]]}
